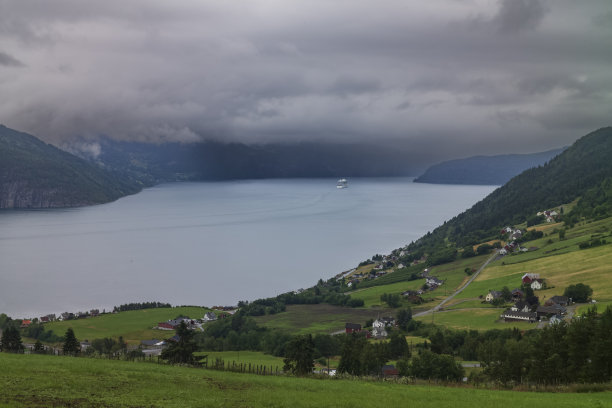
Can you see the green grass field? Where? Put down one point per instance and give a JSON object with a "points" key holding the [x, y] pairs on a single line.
{"points": [[371, 296], [474, 319], [322, 318], [244, 357], [46, 381], [133, 325], [591, 266]]}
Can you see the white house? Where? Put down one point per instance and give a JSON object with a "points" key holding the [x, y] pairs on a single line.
{"points": [[494, 294], [378, 329], [537, 284], [209, 317]]}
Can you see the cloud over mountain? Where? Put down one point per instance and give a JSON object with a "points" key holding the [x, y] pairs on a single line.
{"points": [[456, 76]]}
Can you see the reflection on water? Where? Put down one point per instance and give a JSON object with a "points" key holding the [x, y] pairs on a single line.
{"points": [[211, 243]]}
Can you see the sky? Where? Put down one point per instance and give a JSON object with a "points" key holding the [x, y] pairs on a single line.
{"points": [[457, 77]]}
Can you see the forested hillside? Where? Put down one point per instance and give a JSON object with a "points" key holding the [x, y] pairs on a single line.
{"points": [[37, 175], [486, 170], [579, 169]]}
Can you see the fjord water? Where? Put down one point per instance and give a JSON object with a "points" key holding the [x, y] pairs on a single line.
{"points": [[211, 243]]}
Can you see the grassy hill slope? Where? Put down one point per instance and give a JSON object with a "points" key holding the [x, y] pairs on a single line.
{"points": [[134, 325], [34, 381], [34, 174]]}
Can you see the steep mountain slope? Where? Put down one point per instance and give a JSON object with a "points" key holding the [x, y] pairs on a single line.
{"points": [[37, 175], [583, 166], [487, 170]]}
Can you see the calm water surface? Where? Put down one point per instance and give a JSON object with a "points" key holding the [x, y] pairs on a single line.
{"points": [[211, 243]]}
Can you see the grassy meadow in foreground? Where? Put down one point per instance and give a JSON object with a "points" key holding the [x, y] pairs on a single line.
{"points": [[35, 381]]}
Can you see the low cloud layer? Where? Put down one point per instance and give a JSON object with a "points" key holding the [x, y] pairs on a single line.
{"points": [[459, 77]]}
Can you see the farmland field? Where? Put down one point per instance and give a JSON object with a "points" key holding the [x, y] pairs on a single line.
{"points": [[134, 325], [321, 318], [35, 381]]}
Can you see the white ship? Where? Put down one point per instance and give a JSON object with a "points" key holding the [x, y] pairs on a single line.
{"points": [[342, 183]]}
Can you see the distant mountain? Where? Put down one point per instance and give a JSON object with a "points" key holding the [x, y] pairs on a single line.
{"points": [[487, 170], [154, 163], [583, 168], [34, 174]]}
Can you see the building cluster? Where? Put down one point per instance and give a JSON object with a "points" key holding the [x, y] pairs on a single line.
{"points": [[379, 328], [529, 309]]}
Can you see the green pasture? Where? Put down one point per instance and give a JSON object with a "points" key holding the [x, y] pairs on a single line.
{"points": [[321, 318], [591, 266], [371, 296], [473, 319], [134, 325], [255, 358], [45, 381]]}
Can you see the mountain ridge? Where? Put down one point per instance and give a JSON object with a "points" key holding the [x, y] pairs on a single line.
{"points": [[485, 170], [34, 174]]}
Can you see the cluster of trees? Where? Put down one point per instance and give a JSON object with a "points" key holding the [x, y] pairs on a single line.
{"points": [[11, 340], [392, 300], [579, 292], [580, 351], [431, 366], [596, 203], [37, 331], [140, 306]]}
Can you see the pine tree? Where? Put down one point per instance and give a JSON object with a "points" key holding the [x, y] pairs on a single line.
{"points": [[71, 344], [11, 340], [299, 355], [181, 351]]}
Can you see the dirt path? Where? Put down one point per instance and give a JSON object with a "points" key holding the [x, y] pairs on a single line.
{"points": [[461, 289]]}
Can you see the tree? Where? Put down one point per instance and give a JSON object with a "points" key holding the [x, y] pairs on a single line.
{"points": [[392, 300], [578, 293], [398, 346], [71, 344], [299, 355], [506, 294], [11, 340], [38, 347], [181, 351], [350, 357], [403, 318]]}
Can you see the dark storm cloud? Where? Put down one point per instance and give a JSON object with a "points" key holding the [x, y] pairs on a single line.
{"points": [[453, 77], [518, 15], [9, 61]]}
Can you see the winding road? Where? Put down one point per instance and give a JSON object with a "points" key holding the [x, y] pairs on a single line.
{"points": [[474, 276]]}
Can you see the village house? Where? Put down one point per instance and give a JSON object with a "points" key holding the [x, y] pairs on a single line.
{"points": [[537, 284], [517, 294], [529, 277], [432, 282], [25, 323], [352, 328], [48, 318], [389, 371], [378, 329], [556, 319], [509, 315], [209, 317], [550, 310], [559, 300], [521, 306], [492, 295]]}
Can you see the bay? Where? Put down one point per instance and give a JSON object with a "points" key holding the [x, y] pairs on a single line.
{"points": [[211, 243]]}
